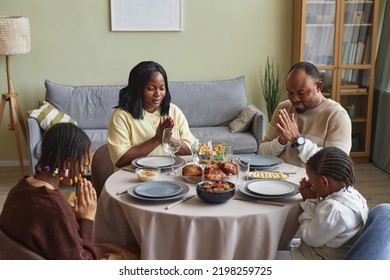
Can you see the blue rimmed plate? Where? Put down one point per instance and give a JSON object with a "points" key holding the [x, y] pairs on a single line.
{"points": [[258, 162], [184, 190], [158, 189]]}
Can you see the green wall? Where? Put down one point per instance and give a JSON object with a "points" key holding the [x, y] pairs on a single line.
{"points": [[72, 44]]}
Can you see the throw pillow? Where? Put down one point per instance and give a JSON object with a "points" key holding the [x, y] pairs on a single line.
{"points": [[243, 121], [47, 116]]}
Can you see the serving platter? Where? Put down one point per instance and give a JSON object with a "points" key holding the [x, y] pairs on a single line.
{"points": [[193, 179], [184, 190], [245, 190]]}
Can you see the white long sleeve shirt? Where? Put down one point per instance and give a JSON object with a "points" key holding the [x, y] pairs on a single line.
{"points": [[334, 220]]}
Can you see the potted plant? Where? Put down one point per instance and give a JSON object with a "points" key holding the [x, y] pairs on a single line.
{"points": [[272, 86]]}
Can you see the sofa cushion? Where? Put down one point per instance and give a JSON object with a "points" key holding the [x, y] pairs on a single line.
{"points": [[98, 137], [210, 103], [47, 116], [91, 106], [243, 121]]}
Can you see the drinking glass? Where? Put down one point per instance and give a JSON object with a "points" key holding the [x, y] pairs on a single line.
{"points": [[202, 154], [242, 163], [171, 143]]}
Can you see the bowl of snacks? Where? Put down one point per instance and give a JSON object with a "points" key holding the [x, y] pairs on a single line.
{"points": [[147, 174], [215, 191]]}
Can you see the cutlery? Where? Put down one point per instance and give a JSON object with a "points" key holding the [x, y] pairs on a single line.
{"points": [[119, 193], [274, 203], [129, 168], [180, 201]]}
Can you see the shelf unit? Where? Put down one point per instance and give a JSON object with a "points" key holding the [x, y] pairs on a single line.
{"points": [[339, 37]]}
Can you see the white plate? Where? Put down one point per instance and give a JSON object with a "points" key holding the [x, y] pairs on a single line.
{"points": [[184, 191], [270, 188], [178, 162], [244, 189], [259, 161], [158, 189], [155, 161]]}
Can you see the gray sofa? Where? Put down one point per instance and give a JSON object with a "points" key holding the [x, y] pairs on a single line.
{"points": [[92, 106]]}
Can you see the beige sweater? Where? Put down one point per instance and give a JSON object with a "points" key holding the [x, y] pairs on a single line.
{"points": [[324, 126]]}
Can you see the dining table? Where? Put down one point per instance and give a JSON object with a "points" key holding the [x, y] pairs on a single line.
{"points": [[243, 228]]}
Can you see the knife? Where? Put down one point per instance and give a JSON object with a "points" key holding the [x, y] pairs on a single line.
{"points": [[180, 201], [261, 201]]}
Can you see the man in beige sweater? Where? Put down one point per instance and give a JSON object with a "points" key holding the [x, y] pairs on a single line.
{"points": [[307, 122]]}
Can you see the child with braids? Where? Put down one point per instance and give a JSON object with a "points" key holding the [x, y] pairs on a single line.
{"points": [[36, 213], [333, 211]]}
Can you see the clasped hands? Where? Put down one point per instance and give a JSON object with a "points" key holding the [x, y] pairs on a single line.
{"points": [[306, 190], [85, 201], [165, 122], [286, 127]]}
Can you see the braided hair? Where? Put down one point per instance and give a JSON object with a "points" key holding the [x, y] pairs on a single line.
{"points": [[131, 96], [65, 144], [333, 162]]}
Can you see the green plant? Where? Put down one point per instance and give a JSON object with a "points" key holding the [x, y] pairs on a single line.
{"points": [[272, 86]]}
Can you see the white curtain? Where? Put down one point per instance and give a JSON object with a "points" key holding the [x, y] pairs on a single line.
{"points": [[380, 142]]}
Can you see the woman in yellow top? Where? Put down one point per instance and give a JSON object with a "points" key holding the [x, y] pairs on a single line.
{"points": [[143, 112]]}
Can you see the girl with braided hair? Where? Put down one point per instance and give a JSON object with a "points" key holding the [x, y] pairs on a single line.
{"points": [[36, 213], [333, 210]]}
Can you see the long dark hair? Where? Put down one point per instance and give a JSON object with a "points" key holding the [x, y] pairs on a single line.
{"points": [[333, 162], [131, 96], [64, 144]]}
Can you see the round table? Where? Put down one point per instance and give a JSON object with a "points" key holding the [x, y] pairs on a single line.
{"points": [[195, 229]]}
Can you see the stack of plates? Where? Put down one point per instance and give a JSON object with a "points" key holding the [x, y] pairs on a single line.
{"points": [[162, 162], [269, 189], [158, 190], [260, 162]]}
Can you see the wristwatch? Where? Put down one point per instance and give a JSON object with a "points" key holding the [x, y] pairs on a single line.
{"points": [[301, 140]]}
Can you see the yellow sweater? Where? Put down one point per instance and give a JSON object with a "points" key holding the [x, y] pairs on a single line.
{"points": [[124, 131]]}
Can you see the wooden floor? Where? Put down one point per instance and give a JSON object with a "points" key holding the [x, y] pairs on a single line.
{"points": [[372, 182]]}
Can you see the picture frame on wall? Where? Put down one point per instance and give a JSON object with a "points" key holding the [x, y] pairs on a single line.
{"points": [[150, 15]]}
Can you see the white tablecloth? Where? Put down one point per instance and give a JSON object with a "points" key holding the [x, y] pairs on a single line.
{"points": [[195, 229]]}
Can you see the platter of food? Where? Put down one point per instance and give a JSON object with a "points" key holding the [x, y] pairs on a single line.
{"points": [[267, 175], [192, 172]]}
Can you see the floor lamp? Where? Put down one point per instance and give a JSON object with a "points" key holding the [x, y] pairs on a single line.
{"points": [[14, 39]]}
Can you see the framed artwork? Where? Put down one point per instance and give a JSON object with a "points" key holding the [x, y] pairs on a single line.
{"points": [[146, 15]]}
